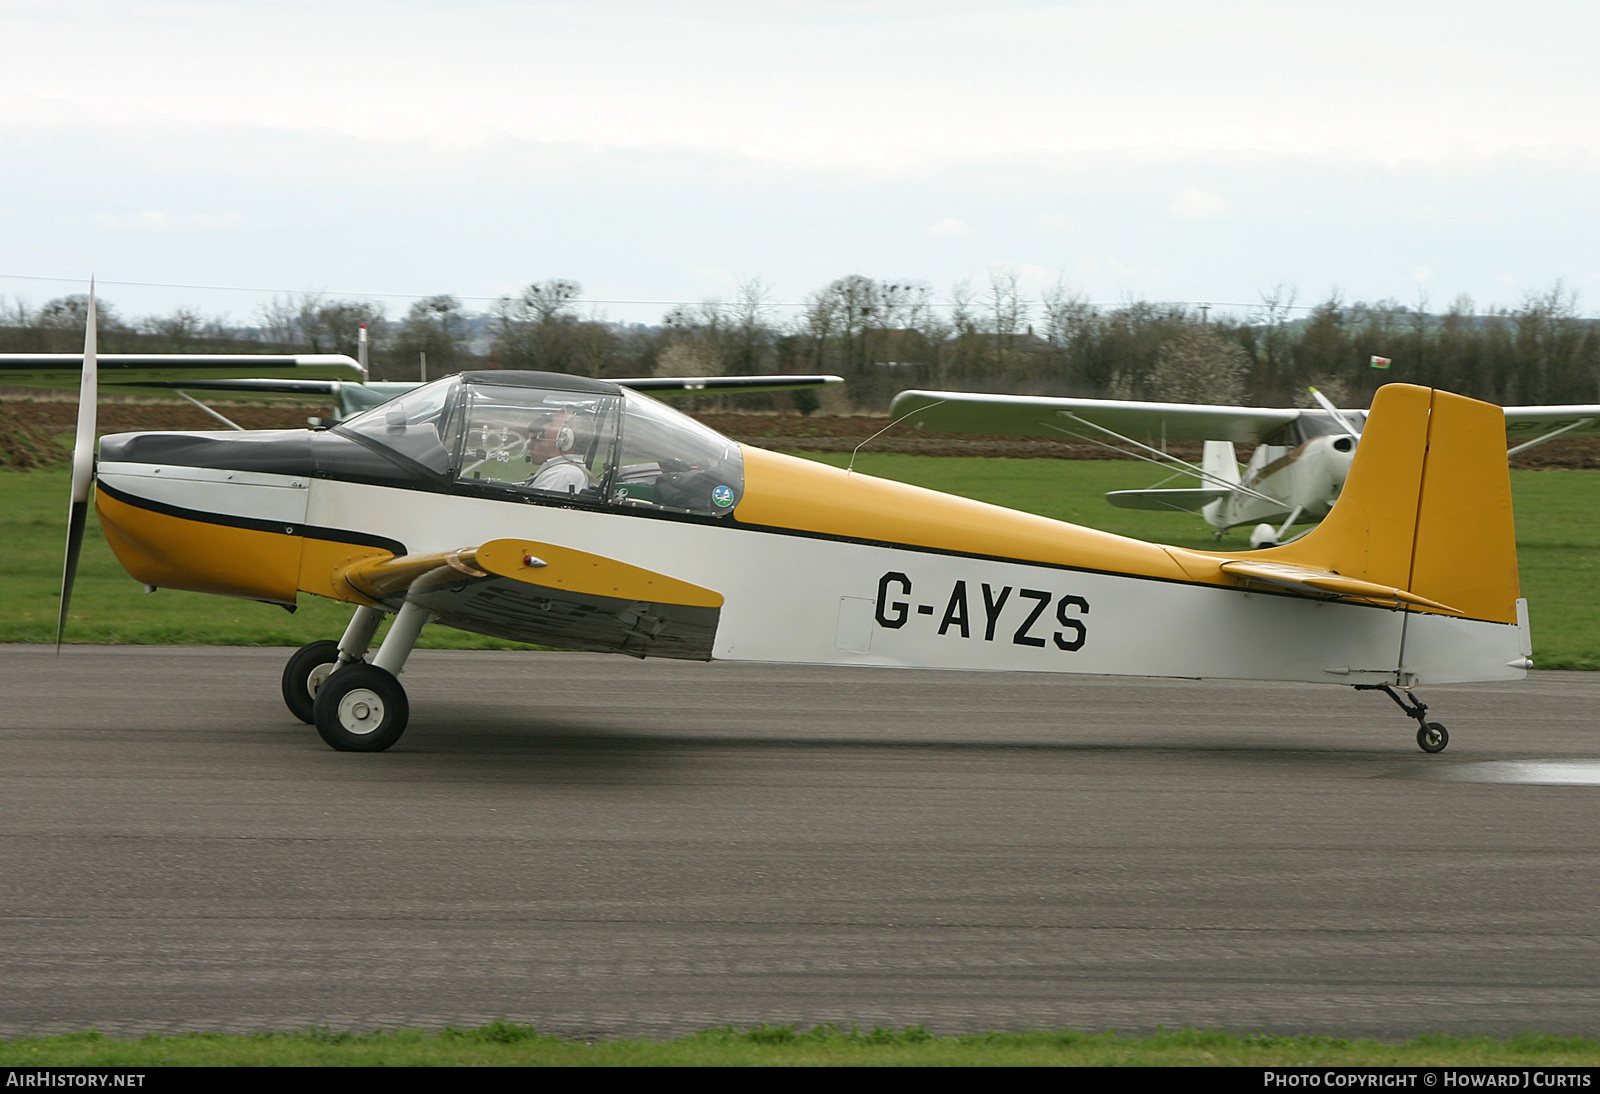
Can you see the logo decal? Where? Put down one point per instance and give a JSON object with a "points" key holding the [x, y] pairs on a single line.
{"points": [[723, 496]]}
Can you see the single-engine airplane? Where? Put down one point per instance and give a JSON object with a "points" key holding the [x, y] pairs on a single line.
{"points": [[577, 513], [1294, 476]]}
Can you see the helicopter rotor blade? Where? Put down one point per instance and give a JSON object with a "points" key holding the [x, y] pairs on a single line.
{"points": [[82, 466]]}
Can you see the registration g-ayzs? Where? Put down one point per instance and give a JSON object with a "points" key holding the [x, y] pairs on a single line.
{"points": [[1026, 612]]}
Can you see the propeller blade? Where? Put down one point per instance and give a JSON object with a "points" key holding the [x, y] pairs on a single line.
{"points": [[1338, 415], [82, 466]]}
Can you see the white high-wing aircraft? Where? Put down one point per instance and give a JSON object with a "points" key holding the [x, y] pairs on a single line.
{"points": [[1294, 476], [351, 397]]}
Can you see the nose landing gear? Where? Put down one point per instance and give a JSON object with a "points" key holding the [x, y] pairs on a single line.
{"points": [[1431, 736], [356, 706]]}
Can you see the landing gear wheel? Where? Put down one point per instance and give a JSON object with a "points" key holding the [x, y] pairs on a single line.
{"points": [[1432, 737], [361, 708], [308, 667]]}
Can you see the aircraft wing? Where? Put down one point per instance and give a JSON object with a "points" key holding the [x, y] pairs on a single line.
{"points": [[725, 385], [264, 385], [1038, 416], [1524, 423], [355, 400], [39, 361], [542, 593]]}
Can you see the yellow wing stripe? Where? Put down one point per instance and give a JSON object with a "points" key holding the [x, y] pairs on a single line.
{"points": [[543, 564]]}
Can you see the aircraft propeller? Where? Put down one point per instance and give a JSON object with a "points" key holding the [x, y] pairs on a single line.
{"points": [[1338, 415], [82, 467]]}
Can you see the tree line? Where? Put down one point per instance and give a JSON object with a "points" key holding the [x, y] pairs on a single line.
{"points": [[886, 336]]}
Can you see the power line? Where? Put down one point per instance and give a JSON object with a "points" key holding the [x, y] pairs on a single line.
{"points": [[1205, 304]]}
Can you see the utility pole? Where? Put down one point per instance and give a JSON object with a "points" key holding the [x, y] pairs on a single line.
{"points": [[422, 359], [361, 352]]}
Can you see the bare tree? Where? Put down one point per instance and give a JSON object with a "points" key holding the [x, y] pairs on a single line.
{"points": [[538, 329], [1008, 314], [436, 326]]}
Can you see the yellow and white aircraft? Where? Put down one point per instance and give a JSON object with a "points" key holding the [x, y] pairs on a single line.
{"points": [[1294, 475], [580, 514]]}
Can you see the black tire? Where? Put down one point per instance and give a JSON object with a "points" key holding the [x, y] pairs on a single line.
{"points": [[299, 683], [361, 708], [1433, 737]]}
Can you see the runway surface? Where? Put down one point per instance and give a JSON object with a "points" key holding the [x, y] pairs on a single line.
{"points": [[603, 846]]}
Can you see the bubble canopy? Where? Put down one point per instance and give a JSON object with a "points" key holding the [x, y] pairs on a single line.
{"points": [[540, 436]]}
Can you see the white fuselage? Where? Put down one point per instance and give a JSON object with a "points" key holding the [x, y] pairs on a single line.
{"points": [[797, 598], [1303, 482], [794, 596]]}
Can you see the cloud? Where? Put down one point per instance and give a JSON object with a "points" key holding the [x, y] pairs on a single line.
{"points": [[149, 220], [1055, 222], [949, 226], [1195, 204]]}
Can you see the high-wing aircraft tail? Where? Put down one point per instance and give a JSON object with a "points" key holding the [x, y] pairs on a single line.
{"points": [[1426, 506]]}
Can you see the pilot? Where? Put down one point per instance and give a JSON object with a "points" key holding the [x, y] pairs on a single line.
{"points": [[554, 443]]}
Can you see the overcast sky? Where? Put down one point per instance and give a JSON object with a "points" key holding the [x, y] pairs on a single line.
{"points": [[664, 151]]}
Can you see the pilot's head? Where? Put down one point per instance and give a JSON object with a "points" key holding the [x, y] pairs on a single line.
{"points": [[555, 435]]}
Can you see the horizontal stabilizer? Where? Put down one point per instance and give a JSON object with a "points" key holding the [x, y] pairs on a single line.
{"points": [[1304, 579], [1191, 499]]}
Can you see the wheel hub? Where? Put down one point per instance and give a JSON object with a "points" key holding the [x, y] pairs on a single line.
{"points": [[361, 711], [317, 675]]}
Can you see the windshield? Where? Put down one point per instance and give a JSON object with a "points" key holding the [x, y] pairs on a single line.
{"points": [[413, 425], [550, 442], [561, 438]]}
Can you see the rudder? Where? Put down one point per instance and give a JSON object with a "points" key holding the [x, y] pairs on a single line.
{"points": [[1426, 506]]}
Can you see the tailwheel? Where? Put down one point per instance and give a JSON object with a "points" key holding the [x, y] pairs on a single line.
{"points": [[1432, 737], [308, 667], [361, 708]]}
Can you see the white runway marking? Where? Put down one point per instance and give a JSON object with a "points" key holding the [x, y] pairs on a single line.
{"points": [[1531, 772]]}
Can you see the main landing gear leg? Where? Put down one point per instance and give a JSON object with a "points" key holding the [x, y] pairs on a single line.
{"points": [[313, 663], [362, 707], [1431, 736]]}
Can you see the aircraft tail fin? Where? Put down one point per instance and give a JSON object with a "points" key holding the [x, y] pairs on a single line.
{"points": [[1221, 462], [1426, 506]]}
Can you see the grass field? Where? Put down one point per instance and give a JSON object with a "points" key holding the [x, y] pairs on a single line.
{"points": [[502, 1044], [1558, 536]]}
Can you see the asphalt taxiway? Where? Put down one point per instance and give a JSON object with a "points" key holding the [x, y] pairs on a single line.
{"points": [[596, 845]]}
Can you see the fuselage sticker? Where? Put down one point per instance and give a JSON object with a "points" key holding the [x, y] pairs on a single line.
{"points": [[965, 614]]}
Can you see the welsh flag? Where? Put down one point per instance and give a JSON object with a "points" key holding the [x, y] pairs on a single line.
{"points": [[1380, 362]]}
